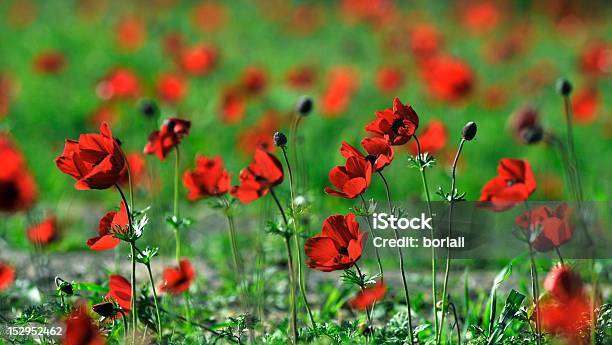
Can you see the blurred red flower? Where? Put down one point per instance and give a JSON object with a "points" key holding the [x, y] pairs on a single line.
{"points": [[301, 77], [552, 228], [368, 296], [209, 178], [253, 80], [396, 125], [112, 223], [7, 275], [380, 153], [43, 233], [173, 44], [374, 12], [198, 60], [105, 113], [342, 83], [432, 139], [265, 172], [585, 105], [137, 169], [80, 328], [481, 17], [524, 122], [339, 245], [567, 311], [425, 40], [209, 16], [49, 62], [389, 79], [259, 135], [5, 95], [596, 59], [96, 161], [171, 87], [120, 292], [351, 179], [130, 33], [233, 105], [178, 279], [120, 83], [168, 136], [513, 184], [448, 78], [17, 186]]}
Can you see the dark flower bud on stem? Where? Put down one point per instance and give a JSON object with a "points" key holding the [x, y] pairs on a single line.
{"points": [[149, 108], [280, 139], [564, 87], [532, 135], [304, 105], [105, 309], [469, 130], [66, 288]]}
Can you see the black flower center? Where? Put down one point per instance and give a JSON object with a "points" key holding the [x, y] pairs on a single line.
{"points": [[9, 194], [397, 124]]}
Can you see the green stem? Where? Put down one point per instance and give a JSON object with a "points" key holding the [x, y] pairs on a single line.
{"points": [[238, 264], [362, 286], [175, 212], [159, 327], [534, 284], [367, 219], [133, 254]]}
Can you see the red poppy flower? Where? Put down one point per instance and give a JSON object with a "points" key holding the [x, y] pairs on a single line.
{"points": [[7, 275], [199, 60], [253, 80], [380, 153], [481, 17], [209, 178], [259, 135], [43, 233], [256, 180], [130, 33], [178, 279], [171, 87], [112, 223], [49, 62], [432, 139], [389, 79], [397, 125], [137, 167], [424, 40], [80, 328], [300, 77], [513, 184], [567, 312], [120, 83], [340, 88], [209, 16], [95, 160], [585, 105], [554, 226], [339, 245], [448, 78], [352, 179], [169, 135], [368, 296], [596, 59], [17, 187], [120, 292], [233, 105]]}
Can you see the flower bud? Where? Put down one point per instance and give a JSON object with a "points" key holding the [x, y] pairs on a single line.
{"points": [[564, 87], [105, 309], [304, 105], [469, 130], [280, 139], [532, 135], [149, 108], [66, 288]]}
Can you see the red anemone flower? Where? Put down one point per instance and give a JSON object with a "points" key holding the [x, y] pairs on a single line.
{"points": [[199, 60], [351, 179], [112, 223], [448, 78], [253, 80], [424, 40], [368, 296], [258, 135], [120, 83], [169, 135], [7, 275], [397, 124], [120, 292], [596, 59], [80, 328], [481, 17], [96, 161], [389, 79], [265, 172], [340, 88], [300, 77], [17, 186], [553, 227], [380, 153], [171, 87], [43, 233], [233, 105], [513, 184], [130, 33], [49, 62], [585, 104], [339, 245], [178, 279], [432, 139], [209, 178], [137, 169]]}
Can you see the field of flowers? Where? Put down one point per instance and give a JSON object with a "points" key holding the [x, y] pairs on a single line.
{"points": [[212, 172]]}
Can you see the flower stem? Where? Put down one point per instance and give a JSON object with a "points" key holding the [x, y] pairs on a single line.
{"points": [[434, 291], [297, 242], [362, 286], [133, 257], [401, 257], [159, 326], [292, 299], [451, 202], [365, 208], [534, 285], [238, 264], [175, 211]]}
